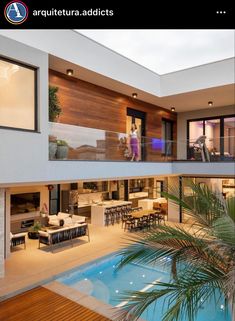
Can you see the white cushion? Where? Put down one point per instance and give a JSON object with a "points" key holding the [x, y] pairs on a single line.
{"points": [[42, 233], [62, 215], [67, 221], [78, 219], [53, 220], [19, 235]]}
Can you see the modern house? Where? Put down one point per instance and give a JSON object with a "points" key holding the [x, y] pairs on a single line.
{"points": [[82, 159]]}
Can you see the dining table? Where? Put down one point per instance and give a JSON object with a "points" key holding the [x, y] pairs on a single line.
{"points": [[141, 213]]}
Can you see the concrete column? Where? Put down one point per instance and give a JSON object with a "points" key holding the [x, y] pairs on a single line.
{"points": [[173, 209], [2, 225], [7, 222]]}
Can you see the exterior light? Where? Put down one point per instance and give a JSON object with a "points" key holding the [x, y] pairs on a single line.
{"points": [[134, 95], [210, 103], [172, 108], [69, 72]]}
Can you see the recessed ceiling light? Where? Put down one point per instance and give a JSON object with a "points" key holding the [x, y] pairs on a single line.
{"points": [[210, 103], [134, 95], [69, 72], [172, 108]]}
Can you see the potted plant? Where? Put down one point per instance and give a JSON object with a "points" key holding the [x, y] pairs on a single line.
{"points": [[52, 146], [33, 230], [54, 112], [62, 149], [54, 104]]}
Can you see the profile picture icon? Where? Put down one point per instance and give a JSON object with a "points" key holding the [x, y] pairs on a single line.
{"points": [[16, 12]]}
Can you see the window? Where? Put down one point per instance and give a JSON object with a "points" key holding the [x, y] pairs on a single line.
{"points": [[159, 188], [229, 136], [54, 199], [219, 132], [167, 137], [18, 96]]}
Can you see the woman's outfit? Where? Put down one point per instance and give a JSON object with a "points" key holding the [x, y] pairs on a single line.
{"points": [[134, 143]]}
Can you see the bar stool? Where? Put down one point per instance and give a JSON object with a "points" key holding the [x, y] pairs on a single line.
{"points": [[118, 214], [107, 215], [113, 215], [129, 224]]}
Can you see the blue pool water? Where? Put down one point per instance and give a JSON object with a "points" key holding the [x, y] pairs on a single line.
{"points": [[101, 280]]}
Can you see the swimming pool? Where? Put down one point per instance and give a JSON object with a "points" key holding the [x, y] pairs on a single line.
{"points": [[100, 280]]}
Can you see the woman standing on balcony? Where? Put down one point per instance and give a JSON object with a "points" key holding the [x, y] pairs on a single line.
{"points": [[134, 143]]}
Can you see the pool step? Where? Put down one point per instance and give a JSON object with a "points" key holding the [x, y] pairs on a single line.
{"points": [[85, 300]]}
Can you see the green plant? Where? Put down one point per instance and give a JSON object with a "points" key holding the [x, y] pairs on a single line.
{"points": [[36, 227], [202, 258], [54, 104], [62, 142]]}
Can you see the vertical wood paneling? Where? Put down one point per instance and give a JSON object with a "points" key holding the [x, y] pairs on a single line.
{"points": [[88, 105]]}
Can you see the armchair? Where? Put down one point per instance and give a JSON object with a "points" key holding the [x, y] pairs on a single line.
{"points": [[17, 239]]}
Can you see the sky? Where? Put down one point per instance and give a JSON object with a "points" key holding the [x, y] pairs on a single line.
{"points": [[164, 51]]}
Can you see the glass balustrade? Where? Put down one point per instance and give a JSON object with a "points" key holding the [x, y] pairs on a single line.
{"points": [[69, 142]]}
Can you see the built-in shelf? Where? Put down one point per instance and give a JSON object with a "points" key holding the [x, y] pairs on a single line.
{"points": [[228, 186]]}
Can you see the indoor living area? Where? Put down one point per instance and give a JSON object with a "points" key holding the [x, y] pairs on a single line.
{"points": [[99, 203], [54, 227]]}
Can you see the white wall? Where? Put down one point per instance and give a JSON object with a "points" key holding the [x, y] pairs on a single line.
{"points": [[200, 168], [2, 224], [173, 209], [205, 76], [24, 155], [78, 49], [182, 124]]}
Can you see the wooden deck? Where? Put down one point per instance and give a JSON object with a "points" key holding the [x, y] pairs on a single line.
{"points": [[43, 304]]}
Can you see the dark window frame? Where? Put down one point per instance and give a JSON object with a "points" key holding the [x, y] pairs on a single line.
{"points": [[35, 69], [57, 199], [221, 118], [172, 122], [135, 113]]}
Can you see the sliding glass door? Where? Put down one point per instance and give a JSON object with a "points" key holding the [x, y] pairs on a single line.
{"points": [[229, 137], [220, 136]]}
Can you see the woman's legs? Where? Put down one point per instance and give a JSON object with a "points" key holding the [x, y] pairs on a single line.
{"points": [[134, 149]]}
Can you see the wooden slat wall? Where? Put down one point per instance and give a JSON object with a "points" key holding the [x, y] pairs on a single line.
{"points": [[42, 304], [88, 105]]}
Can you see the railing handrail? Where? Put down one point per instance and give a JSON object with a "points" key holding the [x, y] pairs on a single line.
{"points": [[142, 137]]}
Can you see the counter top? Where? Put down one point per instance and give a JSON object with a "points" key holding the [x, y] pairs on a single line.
{"points": [[106, 204], [84, 205], [159, 200], [138, 195]]}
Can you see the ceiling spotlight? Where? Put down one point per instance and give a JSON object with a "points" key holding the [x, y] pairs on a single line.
{"points": [[134, 95], [210, 103], [69, 72], [172, 108]]}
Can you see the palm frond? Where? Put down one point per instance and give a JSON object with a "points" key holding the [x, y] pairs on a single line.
{"points": [[166, 241], [183, 298], [230, 203], [224, 231], [203, 257]]}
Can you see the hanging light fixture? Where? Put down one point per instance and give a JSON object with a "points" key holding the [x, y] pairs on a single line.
{"points": [[172, 108], [210, 103], [134, 95]]}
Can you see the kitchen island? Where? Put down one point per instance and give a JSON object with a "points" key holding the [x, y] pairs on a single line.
{"points": [[147, 203], [98, 211]]}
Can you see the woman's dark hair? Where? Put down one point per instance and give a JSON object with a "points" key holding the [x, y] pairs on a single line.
{"points": [[133, 124]]}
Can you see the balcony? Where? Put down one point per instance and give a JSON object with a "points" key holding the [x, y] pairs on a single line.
{"points": [[68, 142]]}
